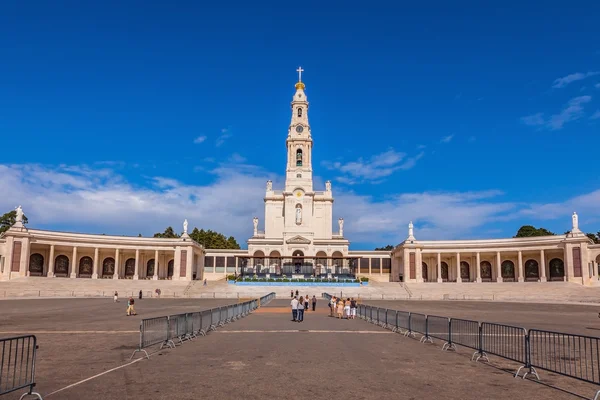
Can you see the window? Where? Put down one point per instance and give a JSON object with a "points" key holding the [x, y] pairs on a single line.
{"points": [[299, 111], [299, 157], [298, 175]]}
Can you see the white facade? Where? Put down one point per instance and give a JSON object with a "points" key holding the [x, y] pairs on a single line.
{"points": [[298, 219]]}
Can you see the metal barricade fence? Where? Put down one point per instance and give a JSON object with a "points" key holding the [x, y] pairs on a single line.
{"points": [[17, 364], [572, 355], [466, 333], [439, 328], [403, 320], [505, 341], [154, 331], [418, 323], [390, 319]]}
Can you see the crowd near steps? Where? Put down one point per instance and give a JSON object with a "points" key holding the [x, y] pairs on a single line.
{"points": [[557, 292]]}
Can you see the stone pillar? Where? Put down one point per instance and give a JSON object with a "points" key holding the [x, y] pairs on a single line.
{"points": [[51, 262], [25, 254], [439, 267], [74, 263], [136, 274], [155, 277], [369, 266], [458, 278], [406, 264], [190, 263], [117, 264], [542, 266], [478, 267], [520, 259], [96, 256], [419, 265], [498, 267]]}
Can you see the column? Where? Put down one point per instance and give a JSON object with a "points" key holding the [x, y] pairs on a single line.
{"points": [[96, 256], [155, 277], [520, 279], [51, 262], [458, 278], [25, 255], [478, 267], [439, 267], [190, 263], [74, 263], [498, 267], [542, 266], [136, 274], [419, 265], [369, 267], [117, 264]]}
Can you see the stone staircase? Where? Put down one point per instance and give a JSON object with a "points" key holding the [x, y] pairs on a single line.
{"points": [[32, 287]]}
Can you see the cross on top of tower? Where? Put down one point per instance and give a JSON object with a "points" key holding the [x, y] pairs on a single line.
{"points": [[300, 71]]}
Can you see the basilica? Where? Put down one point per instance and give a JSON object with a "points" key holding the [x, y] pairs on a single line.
{"points": [[299, 239]]}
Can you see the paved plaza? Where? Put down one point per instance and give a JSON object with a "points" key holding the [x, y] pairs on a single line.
{"points": [[266, 355]]}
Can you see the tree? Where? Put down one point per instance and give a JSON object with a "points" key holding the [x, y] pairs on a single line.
{"points": [[9, 219], [213, 240], [389, 247], [594, 237], [529, 231], [167, 234]]}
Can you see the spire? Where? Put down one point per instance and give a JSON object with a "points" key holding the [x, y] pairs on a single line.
{"points": [[300, 85]]}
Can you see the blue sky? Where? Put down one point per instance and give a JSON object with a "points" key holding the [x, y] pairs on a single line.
{"points": [[471, 120]]}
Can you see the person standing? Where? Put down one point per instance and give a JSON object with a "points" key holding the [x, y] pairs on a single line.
{"points": [[332, 304], [314, 302], [306, 300], [294, 305], [301, 310], [292, 294], [130, 309], [347, 308], [140, 295], [352, 308], [116, 297]]}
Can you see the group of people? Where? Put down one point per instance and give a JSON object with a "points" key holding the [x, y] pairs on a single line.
{"points": [[299, 306], [344, 309], [130, 302]]}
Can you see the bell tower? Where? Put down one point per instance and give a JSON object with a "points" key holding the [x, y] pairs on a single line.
{"points": [[299, 143]]}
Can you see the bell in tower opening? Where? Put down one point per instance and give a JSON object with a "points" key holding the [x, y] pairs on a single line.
{"points": [[299, 157]]}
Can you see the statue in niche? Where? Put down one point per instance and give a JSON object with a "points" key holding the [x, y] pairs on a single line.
{"points": [[269, 186], [298, 215], [328, 186]]}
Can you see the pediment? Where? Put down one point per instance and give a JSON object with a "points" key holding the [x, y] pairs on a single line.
{"points": [[298, 240]]}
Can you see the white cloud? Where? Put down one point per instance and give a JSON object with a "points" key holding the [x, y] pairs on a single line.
{"points": [[377, 167], [534, 119], [447, 139], [572, 111], [83, 199], [199, 139], [225, 134], [595, 115], [565, 80]]}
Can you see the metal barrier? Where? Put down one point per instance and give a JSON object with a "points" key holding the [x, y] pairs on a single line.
{"points": [[180, 327], [466, 333], [504, 341], [439, 328], [17, 365], [571, 355]]}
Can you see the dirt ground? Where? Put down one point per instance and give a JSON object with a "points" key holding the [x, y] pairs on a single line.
{"points": [[266, 355]]}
